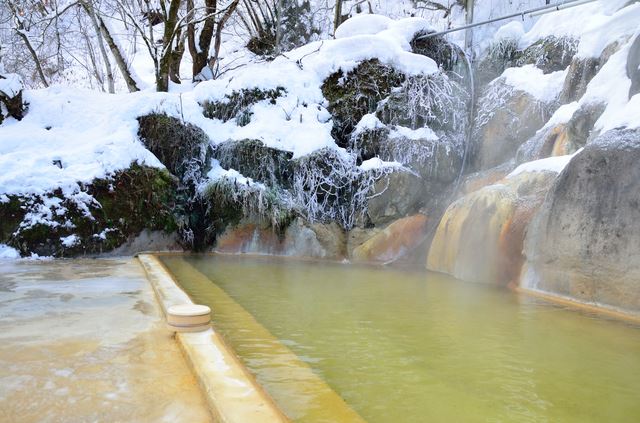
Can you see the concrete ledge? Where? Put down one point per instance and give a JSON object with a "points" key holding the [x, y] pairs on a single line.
{"points": [[233, 395]]}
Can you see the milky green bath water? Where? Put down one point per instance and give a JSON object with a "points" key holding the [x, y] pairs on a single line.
{"points": [[404, 346]]}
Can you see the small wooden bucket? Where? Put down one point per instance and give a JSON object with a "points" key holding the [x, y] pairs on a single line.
{"points": [[188, 318]]}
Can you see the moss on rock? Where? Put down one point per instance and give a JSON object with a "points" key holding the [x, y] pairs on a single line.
{"points": [[237, 105], [99, 218], [255, 160], [357, 93], [182, 147], [551, 54]]}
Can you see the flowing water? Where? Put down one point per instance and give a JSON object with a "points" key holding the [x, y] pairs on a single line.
{"points": [[409, 346]]}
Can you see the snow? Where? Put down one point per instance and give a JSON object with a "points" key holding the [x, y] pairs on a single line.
{"points": [[299, 121], [72, 136], [70, 241], [91, 133], [599, 33], [368, 122], [533, 81], [8, 253], [554, 164], [596, 24], [611, 87], [414, 134], [11, 84], [562, 115], [377, 163], [363, 25], [512, 31], [218, 172]]}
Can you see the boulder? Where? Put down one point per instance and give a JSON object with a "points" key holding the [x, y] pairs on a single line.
{"points": [[542, 144], [238, 104], [255, 160], [396, 195], [585, 242], [182, 147], [480, 236], [11, 103], [562, 139], [396, 240], [104, 215], [633, 67], [438, 101], [498, 57], [477, 180], [551, 54], [358, 236], [300, 239], [581, 72], [357, 93], [365, 144], [437, 161], [508, 118]]}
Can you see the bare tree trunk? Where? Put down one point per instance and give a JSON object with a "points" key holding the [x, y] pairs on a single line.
{"points": [[230, 9], [176, 57], [20, 32], [200, 52], [165, 62], [278, 26], [34, 55], [105, 58], [132, 85], [337, 20]]}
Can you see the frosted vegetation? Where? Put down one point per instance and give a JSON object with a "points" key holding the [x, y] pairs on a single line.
{"points": [[329, 112]]}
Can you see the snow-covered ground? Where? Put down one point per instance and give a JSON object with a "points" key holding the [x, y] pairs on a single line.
{"points": [[72, 135]]}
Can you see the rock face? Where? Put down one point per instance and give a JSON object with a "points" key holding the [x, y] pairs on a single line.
{"points": [[394, 241], [480, 236], [394, 196], [585, 242], [300, 239], [581, 72], [356, 94], [562, 139], [633, 67], [504, 124], [107, 214], [551, 54], [255, 160]]}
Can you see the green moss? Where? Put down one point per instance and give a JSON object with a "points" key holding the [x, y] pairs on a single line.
{"points": [[444, 53], [11, 214], [237, 105], [230, 202], [136, 199], [256, 161], [183, 148], [356, 94], [551, 54]]}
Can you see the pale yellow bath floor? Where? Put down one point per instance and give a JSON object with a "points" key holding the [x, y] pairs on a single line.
{"points": [[84, 341]]}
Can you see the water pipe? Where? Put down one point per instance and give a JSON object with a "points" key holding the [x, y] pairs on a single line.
{"points": [[549, 8]]}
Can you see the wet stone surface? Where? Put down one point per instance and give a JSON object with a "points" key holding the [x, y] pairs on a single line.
{"points": [[84, 340]]}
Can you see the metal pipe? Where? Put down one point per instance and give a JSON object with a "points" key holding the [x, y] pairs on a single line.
{"points": [[549, 8], [560, 7]]}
